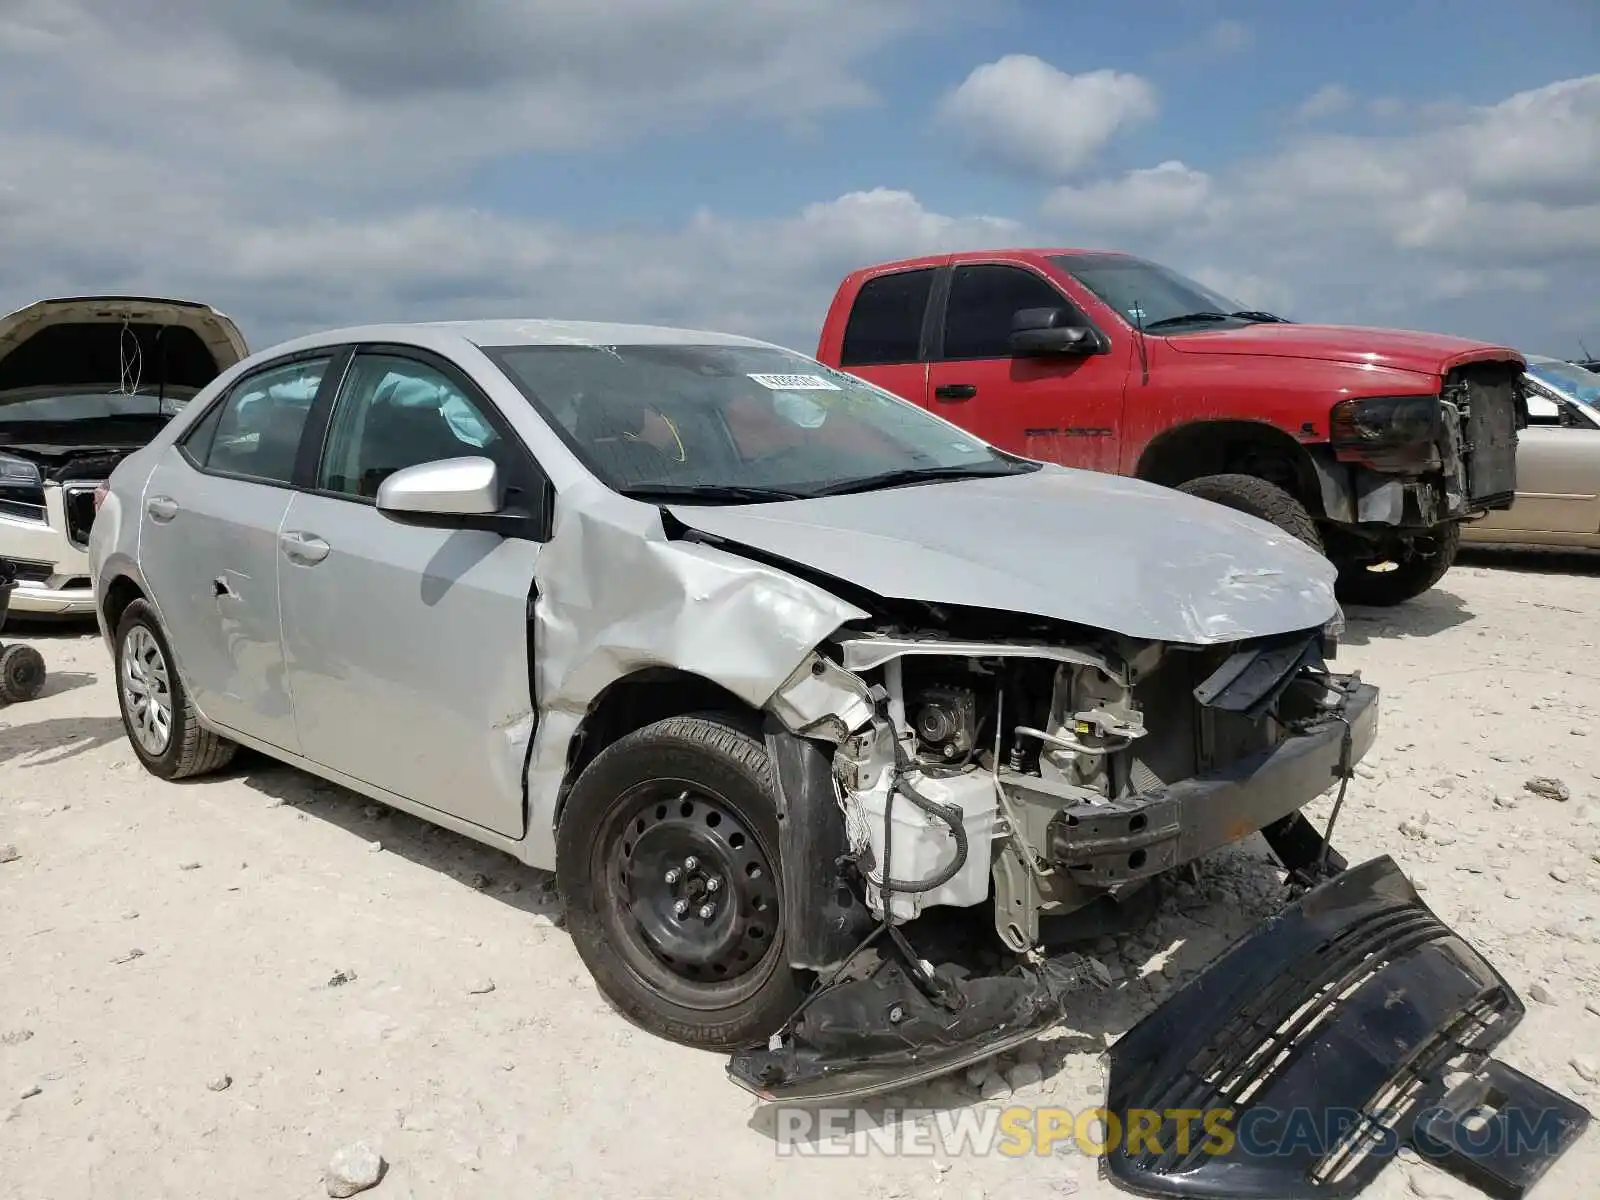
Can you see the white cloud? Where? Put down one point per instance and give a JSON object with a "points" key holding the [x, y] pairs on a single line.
{"points": [[1024, 114], [1327, 101], [414, 89], [297, 185], [1139, 200], [1469, 202]]}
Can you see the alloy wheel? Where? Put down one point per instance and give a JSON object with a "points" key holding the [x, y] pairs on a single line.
{"points": [[146, 683]]}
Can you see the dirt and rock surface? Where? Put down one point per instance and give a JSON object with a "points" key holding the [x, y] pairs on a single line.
{"points": [[258, 985]]}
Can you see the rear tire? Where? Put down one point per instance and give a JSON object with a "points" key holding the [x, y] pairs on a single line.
{"points": [[160, 720], [1359, 583], [1258, 498], [21, 674], [650, 823]]}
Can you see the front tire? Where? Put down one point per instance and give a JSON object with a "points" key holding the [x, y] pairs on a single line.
{"points": [[1258, 498], [1408, 578], [159, 718], [667, 859]]}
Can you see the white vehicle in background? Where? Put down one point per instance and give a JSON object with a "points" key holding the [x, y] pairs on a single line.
{"points": [[84, 382]]}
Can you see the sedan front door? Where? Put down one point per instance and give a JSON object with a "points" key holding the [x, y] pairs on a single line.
{"points": [[407, 646], [212, 511]]}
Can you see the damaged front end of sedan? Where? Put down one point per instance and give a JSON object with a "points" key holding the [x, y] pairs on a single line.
{"points": [[979, 762], [1042, 778], [1047, 780]]}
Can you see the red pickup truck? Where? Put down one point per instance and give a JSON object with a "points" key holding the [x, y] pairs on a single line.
{"points": [[1373, 445]]}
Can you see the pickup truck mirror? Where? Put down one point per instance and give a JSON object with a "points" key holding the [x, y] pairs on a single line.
{"points": [[1036, 332]]}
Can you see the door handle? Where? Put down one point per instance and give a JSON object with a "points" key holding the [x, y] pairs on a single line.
{"points": [[161, 508], [955, 391], [307, 549]]}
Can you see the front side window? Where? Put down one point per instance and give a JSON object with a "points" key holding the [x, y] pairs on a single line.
{"points": [[737, 422], [397, 412], [885, 323], [983, 300], [1145, 293], [255, 431]]}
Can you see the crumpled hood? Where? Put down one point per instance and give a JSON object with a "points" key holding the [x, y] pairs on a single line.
{"points": [[1397, 349], [1098, 550]]}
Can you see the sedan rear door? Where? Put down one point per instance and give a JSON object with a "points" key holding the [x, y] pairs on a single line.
{"points": [[211, 515]]}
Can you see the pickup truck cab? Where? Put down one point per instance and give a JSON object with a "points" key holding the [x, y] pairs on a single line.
{"points": [[1373, 445]]}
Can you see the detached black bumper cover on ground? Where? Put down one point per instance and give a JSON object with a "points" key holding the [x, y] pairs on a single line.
{"points": [[1297, 1064]]}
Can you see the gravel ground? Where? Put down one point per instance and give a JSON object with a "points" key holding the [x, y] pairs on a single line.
{"points": [[212, 989]]}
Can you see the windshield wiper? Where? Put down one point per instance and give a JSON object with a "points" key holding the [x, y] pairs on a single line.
{"points": [[912, 475], [1253, 315], [730, 493], [1187, 318]]}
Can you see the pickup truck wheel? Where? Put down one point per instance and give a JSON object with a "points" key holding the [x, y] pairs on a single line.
{"points": [[667, 858], [1259, 498], [159, 718], [1384, 585]]}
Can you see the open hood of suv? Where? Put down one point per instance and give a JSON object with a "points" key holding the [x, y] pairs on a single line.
{"points": [[88, 343], [1097, 550], [1397, 349]]}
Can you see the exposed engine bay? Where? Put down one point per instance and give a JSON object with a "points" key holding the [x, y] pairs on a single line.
{"points": [[1049, 777], [1059, 774]]}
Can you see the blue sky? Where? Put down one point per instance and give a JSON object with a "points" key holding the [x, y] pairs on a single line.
{"points": [[305, 163], [1231, 77]]}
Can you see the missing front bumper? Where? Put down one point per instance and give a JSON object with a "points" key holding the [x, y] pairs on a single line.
{"points": [[1298, 1063], [1106, 844]]}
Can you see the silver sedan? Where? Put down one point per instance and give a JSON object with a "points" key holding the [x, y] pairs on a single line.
{"points": [[760, 659]]}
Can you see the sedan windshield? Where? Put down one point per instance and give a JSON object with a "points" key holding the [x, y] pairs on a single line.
{"points": [[1145, 293], [1566, 377], [737, 424]]}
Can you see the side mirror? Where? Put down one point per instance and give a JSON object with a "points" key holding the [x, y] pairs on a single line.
{"points": [[1039, 332], [451, 487]]}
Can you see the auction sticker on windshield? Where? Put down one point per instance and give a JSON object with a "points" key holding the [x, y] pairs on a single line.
{"points": [[796, 383]]}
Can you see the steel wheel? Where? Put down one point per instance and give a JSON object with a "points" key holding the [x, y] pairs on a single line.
{"points": [[146, 684], [690, 896]]}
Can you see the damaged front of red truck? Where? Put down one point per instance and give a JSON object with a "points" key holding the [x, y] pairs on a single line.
{"points": [[1372, 445]]}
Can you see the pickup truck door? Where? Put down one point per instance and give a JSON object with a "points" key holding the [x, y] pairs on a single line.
{"points": [[1065, 410], [1558, 473], [884, 334]]}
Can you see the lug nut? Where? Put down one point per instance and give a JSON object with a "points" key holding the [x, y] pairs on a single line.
{"points": [[681, 907], [707, 911], [713, 884], [674, 875], [690, 863]]}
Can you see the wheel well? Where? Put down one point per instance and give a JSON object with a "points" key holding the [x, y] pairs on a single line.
{"points": [[641, 699], [121, 593], [1231, 447]]}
